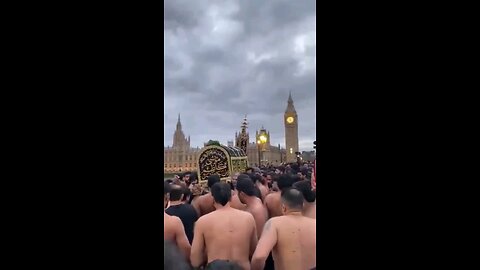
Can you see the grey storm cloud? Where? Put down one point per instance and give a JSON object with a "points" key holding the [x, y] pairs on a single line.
{"points": [[226, 59]]}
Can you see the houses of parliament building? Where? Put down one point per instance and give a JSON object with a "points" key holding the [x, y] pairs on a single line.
{"points": [[181, 157]]}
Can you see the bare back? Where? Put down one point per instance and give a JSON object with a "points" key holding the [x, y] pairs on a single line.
{"points": [[174, 232], [236, 203], [296, 243], [204, 204], [263, 190], [169, 224], [225, 234], [259, 213], [273, 204]]}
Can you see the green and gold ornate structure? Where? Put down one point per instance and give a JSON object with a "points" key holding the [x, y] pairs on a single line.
{"points": [[222, 160]]}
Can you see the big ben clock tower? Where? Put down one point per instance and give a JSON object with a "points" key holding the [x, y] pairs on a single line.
{"points": [[291, 130]]}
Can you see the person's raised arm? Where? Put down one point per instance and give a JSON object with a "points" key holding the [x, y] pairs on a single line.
{"points": [[265, 245], [253, 239]]}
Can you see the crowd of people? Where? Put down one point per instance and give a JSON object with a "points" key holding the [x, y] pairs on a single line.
{"points": [[264, 218]]}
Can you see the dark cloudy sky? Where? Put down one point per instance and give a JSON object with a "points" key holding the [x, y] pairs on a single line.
{"points": [[225, 59]]}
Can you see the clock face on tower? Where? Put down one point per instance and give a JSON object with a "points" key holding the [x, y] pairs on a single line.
{"points": [[289, 119]]}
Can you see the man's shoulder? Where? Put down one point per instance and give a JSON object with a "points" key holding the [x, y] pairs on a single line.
{"points": [[240, 213], [173, 219], [272, 195], [204, 198], [271, 198], [205, 218], [244, 215], [278, 220], [258, 208]]}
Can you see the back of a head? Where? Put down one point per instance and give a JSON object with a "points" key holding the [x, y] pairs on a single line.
{"points": [[212, 179], [223, 265], [186, 194], [166, 188], [294, 166], [221, 193], [305, 187], [292, 198], [176, 192], [245, 176], [259, 178], [284, 181], [193, 177], [173, 259], [246, 186]]}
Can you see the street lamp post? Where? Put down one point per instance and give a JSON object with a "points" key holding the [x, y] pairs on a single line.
{"points": [[261, 142]]}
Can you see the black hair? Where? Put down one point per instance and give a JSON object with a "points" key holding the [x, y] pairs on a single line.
{"points": [[223, 265], [246, 186], [166, 188], [176, 192], [292, 198], [245, 176], [306, 188], [257, 178], [221, 193], [173, 259], [212, 179], [258, 193], [186, 193], [296, 178], [284, 181], [193, 177]]}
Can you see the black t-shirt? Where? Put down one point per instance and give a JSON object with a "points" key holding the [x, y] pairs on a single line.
{"points": [[187, 215]]}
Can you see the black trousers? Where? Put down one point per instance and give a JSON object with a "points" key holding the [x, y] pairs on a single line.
{"points": [[269, 264]]}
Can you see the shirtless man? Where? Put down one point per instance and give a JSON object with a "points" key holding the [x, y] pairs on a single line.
{"points": [[269, 180], [235, 202], [272, 200], [291, 237], [173, 230], [261, 183], [246, 194], [309, 205], [224, 234], [204, 204]]}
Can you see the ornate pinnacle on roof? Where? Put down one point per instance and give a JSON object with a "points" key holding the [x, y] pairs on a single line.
{"points": [[290, 107], [179, 125], [244, 123]]}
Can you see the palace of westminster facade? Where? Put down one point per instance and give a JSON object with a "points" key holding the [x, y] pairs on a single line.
{"points": [[180, 157]]}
